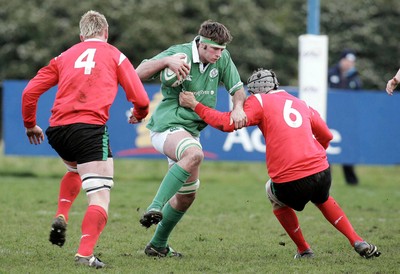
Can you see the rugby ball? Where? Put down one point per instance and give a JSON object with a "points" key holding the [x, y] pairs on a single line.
{"points": [[169, 78]]}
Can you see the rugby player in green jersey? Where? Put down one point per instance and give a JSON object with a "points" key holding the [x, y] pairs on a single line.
{"points": [[202, 64]]}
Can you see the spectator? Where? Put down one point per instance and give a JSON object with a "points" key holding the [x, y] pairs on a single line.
{"points": [[344, 75]]}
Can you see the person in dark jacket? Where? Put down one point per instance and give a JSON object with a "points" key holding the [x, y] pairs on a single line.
{"points": [[344, 75]]}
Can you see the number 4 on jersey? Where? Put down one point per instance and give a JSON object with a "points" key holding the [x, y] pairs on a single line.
{"points": [[85, 60]]}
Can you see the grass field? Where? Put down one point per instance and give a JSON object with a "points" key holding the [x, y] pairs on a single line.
{"points": [[229, 229]]}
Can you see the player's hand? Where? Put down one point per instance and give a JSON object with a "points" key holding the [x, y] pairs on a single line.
{"points": [[177, 64], [132, 119], [35, 135], [238, 117], [187, 99], [391, 85]]}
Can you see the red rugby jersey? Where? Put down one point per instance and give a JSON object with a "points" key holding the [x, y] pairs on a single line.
{"points": [[296, 136], [87, 75]]}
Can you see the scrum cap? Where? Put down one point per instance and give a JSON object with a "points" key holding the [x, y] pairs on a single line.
{"points": [[262, 81]]}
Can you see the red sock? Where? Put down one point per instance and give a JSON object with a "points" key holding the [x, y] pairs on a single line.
{"points": [[70, 187], [92, 225], [288, 219], [335, 215]]}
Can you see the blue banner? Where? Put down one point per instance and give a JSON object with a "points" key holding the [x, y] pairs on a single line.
{"points": [[364, 125]]}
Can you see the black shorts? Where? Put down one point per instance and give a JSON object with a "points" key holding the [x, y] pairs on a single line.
{"points": [[80, 143], [296, 194]]}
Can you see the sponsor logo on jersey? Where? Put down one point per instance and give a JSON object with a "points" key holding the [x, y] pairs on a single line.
{"points": [[204, 92]]}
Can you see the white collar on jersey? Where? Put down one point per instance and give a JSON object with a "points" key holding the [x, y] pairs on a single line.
{"points": [[93, 39], [196, 57], [276, 91], [195, 51]]}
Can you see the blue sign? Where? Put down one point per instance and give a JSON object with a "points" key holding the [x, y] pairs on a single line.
{"points": [[364, 125]]}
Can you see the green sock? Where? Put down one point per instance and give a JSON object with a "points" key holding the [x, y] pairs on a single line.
{"points": [[171, 217], [172, 182]]}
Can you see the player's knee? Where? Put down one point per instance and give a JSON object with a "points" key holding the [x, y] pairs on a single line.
{"points": [[195, 157], [92, 182]]}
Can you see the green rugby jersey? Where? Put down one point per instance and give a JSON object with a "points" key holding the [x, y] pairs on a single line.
{"points": [[202, 80]]}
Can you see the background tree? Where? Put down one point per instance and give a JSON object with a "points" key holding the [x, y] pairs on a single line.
{"points": [[265, 32], [369, 27]]}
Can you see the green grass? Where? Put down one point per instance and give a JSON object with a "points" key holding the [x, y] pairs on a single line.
{"points": [[229, 229]]}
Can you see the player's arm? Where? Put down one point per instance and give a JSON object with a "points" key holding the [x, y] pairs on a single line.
{"points": [[238, 117], [219, 120], [134, 90], [46, 78], [320, 129], [148, 68]]}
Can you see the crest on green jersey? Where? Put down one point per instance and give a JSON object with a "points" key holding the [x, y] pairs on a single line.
{"points": [[214, 73]]}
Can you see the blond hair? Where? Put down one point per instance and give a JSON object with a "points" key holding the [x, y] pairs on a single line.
{"points": [[92, 24]]}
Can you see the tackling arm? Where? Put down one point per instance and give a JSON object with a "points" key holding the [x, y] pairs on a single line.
{"points": [[238, 117], [219, 120], [215, 118], [222, 120]]}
